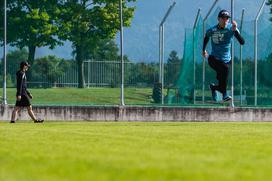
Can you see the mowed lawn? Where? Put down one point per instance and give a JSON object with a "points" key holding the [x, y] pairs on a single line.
{"points": [[86, 96], [135, 151]]}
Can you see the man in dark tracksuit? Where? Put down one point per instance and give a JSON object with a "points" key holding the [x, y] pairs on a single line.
{"points": [[220, 57], [23, 96]]}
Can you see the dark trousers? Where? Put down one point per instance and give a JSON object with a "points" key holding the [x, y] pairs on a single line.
{"points": [[222, 72]]}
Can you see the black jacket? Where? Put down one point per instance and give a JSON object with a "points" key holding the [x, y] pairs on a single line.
{"points": [[21, 84]]}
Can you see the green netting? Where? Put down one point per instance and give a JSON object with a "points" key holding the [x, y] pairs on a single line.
{"points": [[264, 83], [246, 87], [187, 84]]}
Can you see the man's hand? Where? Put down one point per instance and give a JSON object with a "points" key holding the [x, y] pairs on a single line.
{"points": [[18, 98], [30, 96], [234, 25], [205, 54]]}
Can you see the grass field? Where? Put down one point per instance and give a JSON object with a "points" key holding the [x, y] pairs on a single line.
{"points": [[135, 151], [93, 96], [87, 96]]}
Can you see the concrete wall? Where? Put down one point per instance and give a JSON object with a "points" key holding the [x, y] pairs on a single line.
{"points": [[137, 113]]}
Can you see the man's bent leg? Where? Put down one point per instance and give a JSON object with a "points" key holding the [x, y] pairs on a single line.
{"points": [[221, 74]]}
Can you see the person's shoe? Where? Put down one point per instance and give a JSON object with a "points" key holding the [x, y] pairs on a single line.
{"points": [[214, 97], [226, 97], [39, 121], [12, 121]]}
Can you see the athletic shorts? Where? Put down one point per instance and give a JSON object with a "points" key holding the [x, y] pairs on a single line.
{"points": [[24, 102]]}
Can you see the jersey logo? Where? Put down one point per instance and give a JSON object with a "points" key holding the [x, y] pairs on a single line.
{"points": [[218, 37]]}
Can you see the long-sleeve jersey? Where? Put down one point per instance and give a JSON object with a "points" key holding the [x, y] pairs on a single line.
{"points": [[21, 84], [221, 41]]}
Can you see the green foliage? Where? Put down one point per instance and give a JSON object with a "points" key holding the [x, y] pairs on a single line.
{"points": [[157, 93], [32, 24], [89, 25], [14, 58], [173, 68], [85, 20], [106, 50], [1, 21], [10, 82], [46, 69], [85, 23], [142, 72], [13, 64], [49, 68], [173, 57]]}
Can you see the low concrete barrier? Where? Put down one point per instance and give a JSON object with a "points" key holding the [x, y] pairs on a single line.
{"points": [[139, 113]]}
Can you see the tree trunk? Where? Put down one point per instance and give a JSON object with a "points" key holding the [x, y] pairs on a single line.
{"points": [[31, 54], [79, 59], [31, 57]]}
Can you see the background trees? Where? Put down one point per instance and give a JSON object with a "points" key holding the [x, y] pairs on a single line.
{"points": [[86, 23], [31, 24]]}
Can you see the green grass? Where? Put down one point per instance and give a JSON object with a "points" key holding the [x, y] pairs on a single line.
{"points": [[135, 151], [94, 96], [109, 96], [87, 96]]}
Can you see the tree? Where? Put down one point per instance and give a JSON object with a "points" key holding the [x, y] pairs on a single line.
{"points": [[32, 24], [1, 21], [269, 2], [173, 57], [86, 22], [106, 49], [14, 59], [173, 68], [49, 68]]}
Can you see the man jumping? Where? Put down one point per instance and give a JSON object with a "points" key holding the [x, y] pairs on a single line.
{"points": [[220, 57]]}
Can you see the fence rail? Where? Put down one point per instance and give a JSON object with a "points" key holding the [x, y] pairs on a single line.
{"points": [[98, 74]]}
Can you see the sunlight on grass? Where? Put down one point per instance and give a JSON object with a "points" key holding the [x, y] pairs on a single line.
{"points": [[135, 151], [87, 96]]}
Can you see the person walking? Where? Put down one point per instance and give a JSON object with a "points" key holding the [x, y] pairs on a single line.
{"points": [[23, 96]]}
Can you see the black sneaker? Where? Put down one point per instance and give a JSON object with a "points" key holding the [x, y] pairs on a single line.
{"points": [[12, 122], [226, 97], [39, 121], [213, 92]]}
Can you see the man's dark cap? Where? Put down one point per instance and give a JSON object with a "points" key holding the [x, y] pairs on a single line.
{"points": [[24, 63], [224, 14]]}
